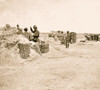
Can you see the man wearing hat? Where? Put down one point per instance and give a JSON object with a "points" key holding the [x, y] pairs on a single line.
{"points": [[36, 38], [36, 33], [26, 34]]}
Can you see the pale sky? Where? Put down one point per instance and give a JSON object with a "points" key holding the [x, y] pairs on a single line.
{"points": [[73, 15]]}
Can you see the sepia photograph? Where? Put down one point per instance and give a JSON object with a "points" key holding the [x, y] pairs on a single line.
{"points": [[49, 44]]}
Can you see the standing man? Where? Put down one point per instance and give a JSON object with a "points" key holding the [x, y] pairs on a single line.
{"points": [[67, 38], [36, 33]]}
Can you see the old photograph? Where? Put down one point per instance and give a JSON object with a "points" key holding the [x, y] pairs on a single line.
{"points": [[49, 44]]}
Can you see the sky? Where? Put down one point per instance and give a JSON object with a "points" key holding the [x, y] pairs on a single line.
{"points": [[82, 16]]}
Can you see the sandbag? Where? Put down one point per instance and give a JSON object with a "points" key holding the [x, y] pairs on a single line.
{"points": [[24, 50], [44, 48], [73, 37], [98, 38]]}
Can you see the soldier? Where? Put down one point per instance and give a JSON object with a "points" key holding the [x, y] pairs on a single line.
{"points": [[36, 33], [70, 38], [26, 34], [67, 37], [19, 30], [36, 38]]}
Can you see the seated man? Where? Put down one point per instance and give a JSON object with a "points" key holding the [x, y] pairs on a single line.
{"points": [[19, 30], [26, 34], [36, 33]]}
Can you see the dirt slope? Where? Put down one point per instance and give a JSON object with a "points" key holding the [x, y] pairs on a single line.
{"points": [[76, 68]]}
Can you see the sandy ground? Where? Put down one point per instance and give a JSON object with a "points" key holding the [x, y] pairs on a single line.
{"points": [[76, 68]]}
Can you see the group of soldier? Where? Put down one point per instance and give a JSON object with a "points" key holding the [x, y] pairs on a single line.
{"points": [[34, 37], [67, 39]]}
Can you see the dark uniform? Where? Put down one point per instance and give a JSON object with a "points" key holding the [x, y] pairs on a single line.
{"points": [[67, 38], [36, 33]]}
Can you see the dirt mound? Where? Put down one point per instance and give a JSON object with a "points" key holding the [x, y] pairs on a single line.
{"points": [[11, 54], [9, 50]]}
